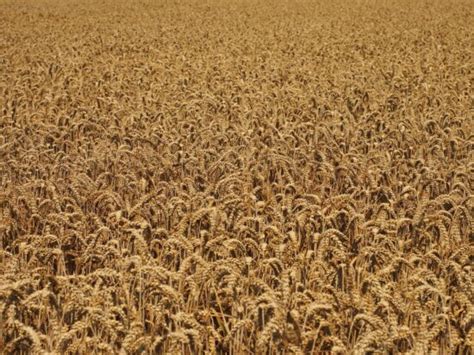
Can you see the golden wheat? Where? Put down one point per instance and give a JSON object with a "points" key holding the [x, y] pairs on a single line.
{"points": [[219, 177]]}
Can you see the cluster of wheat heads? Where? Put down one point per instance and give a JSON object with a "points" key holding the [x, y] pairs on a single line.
{"points": [[236, 177]]}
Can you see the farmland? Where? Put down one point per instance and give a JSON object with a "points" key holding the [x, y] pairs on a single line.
{"points": [[256, 176]]}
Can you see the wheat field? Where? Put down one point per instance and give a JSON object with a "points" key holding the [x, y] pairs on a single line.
{"points": [[236, 177]]}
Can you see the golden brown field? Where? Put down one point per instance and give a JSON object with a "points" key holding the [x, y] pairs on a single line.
{"points": [[236, 177]]}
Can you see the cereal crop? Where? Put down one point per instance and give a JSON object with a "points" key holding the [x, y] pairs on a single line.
{"points": [[236, 177]]}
